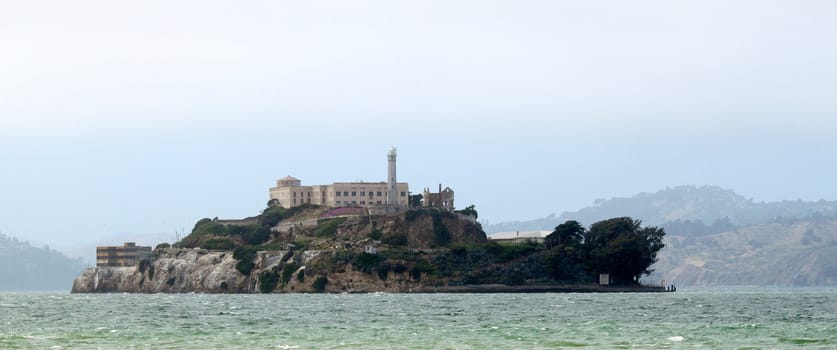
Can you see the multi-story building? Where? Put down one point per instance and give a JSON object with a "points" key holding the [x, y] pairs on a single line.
{"points": [[390, 195], [128, 254], [290, 193]]}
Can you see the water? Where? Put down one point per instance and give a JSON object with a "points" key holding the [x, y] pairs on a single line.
{"points": [[699, 318]]}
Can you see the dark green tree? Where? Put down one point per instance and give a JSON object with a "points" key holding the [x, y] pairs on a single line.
{"points": [[622, 248], [568, 233], [469, 211], [415, 200]]}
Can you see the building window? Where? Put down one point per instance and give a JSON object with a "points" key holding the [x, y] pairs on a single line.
{"points": [[379, 193], [379, 202], [354, 193], [294, 200], [362, 193], [346, 193], [403, 194], [338, 202], [294, 194], [354, 202], [337, 194], [362, 202]]}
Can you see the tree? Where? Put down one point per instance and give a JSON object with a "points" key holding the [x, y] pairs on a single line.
{"points": [[564, 261], [570, 232], [415, 200], [622, 248], [469, 211]]}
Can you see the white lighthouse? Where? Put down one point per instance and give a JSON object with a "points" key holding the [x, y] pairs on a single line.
{"points": [[392, 185]]}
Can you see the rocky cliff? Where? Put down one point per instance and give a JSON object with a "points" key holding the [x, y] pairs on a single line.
{"points": [[169, 271], [389, 253], [202, 271]]}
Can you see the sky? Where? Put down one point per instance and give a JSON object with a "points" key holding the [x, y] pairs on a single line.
{"points": [[136, 119]]}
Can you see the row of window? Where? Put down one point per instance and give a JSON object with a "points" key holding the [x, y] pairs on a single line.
{"points": [[346, 194], [362, 194], [354, 193], [355, 202]]}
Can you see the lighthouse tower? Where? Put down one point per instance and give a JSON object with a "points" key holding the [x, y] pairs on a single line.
{"points": [[392, 186]]}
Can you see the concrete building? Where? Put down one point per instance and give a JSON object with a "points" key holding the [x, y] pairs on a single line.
{"points": [[390, 195], [442, 199], [129, 254]]}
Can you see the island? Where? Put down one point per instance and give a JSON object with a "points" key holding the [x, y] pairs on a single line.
{"points": [[376, 237], [320, 249]]}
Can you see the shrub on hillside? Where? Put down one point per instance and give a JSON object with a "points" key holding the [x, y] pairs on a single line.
{"points": [[320, 283], [268, 280], [245, 256], [328, 228], [395, 239], [218, 244], [288, 272], [367, 262], [255, 234]]}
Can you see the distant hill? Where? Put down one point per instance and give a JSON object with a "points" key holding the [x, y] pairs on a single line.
{"points": [[683, 208], [791, 253], [717, 237], [27, 268]]}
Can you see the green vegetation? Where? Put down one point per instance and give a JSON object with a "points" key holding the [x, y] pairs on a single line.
{"points": [[287, 273], [412, 214], [328, 228], [162, 246], [469, 211], [571, 254], [274, 214], [395, 239], [415, 200], [420, 267], [320, 283], [245, 256], [621, 247], [442, 249], [268, 280], [218, 244], [441, 234], [367, 262], [209, 233]]}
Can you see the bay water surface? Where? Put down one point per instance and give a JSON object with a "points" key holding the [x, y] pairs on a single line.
{"points": [[722, 318]]}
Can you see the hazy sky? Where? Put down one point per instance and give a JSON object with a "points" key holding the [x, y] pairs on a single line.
{"points": [[122, 118]]}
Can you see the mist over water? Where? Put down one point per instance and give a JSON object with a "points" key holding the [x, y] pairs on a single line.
{"points": [[709, 318]]}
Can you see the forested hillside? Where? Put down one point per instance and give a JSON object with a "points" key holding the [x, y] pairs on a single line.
{"points": [[27, 268]]}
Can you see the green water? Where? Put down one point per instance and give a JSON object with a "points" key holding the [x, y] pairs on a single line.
{"points": [[700, 318]]}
